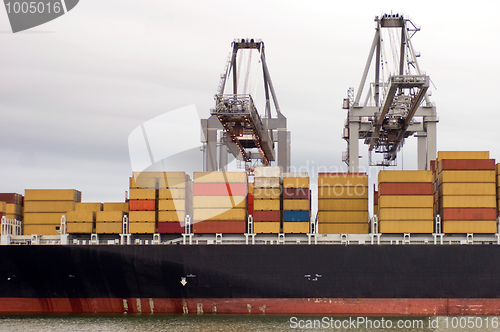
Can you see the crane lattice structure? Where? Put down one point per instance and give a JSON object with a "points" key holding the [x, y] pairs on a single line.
{"points": [[243, 131], [395, 108]]}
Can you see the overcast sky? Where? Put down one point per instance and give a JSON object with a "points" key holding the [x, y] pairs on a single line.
{"points": [[74, 89]]}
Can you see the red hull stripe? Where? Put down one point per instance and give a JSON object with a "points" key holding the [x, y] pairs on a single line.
{"points": [[325, 306]]}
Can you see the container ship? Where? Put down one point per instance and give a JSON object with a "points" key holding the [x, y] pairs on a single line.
{"points": [[253, 241]]}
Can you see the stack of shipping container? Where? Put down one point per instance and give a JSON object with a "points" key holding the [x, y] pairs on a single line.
{"points": [[220, 202], [175, 192], [375, 200], [343, 203], [82, 219], [142, 203], [406, 202], [267, 200], [110, 219], [467, 192], [296, 203], [498, 188], [13, 206], [43, 209]]}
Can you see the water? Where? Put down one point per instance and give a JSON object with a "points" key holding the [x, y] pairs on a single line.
{"points": [[240, 323]]}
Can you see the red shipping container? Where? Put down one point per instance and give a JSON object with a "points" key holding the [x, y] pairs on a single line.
{"points": [[467, 164], [250, 208], [433, 166], [405, 189], [227, 227], [170, 228], [375, 198], [266, 216], [299, 193], [12, 198], [142, 205], [219, 189], [469, 214], [250, 199]]}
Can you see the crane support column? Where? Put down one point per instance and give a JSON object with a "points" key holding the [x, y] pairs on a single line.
{"points": [[353, 146]]}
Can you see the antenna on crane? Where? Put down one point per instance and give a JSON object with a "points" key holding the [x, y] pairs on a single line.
{"points": [[395, 109]]}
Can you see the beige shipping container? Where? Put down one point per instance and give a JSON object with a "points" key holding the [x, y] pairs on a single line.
{"points": [[267, 172], [171, 216], [220, 177], [142, 216], [467, 202], [343, 217], [343, 228], [144, 183], [80, 216], [171, 204], [109, 216], [406, 226], [295, 227], [52, 195], [219, 214], [266, 205], [463, 155], [42, 218], [266, 227], [466, 189], [342, 179], [266, 183], [108, 228], [267, 193], [296, 182], [220, 202], [172, 193], [334, 204], [296, 204], [466, 176], [79, 228], [123, 207], [405, 176], [406, 201], [142, 194], [49, 206], [41, 229], [400, 214], [343, 192], [88, 207], [465, 226], [142, 228]]}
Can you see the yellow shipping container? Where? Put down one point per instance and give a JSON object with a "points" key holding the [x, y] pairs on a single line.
{"points": [[142, 216], [48, 206], [12, 208], [407, 226], [296, 204], [80, 216], [52, 195], [400, 214], [41, 229], [142, 228], [3, 207], [266, 183], [465, 226], [296, 182], [143, 183], [466, 189], [404, 176], [341, 228], [79, 228], [463, 155], [250, 188], [343, 192], [171, 204], [42, 218], [266, 227], [220, 177], [123, 207], [406, 201], [295, 227], [266, 204], [342, 216], [142, 194], [467, 202], [168, 216], [466, 176], [172, 193], [334, 204], [88, 207], [109, 216], [343, 179], [108, 228], [219, 202], [157, 175], [497, 168], [375, 209], [267, 193], [219, 214]]}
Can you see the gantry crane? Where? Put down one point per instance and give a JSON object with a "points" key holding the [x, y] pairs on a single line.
{"points": [[395, 108], [243, 131]]}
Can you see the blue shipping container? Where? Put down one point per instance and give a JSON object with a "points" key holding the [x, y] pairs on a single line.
{"points": [[299, 216]]}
